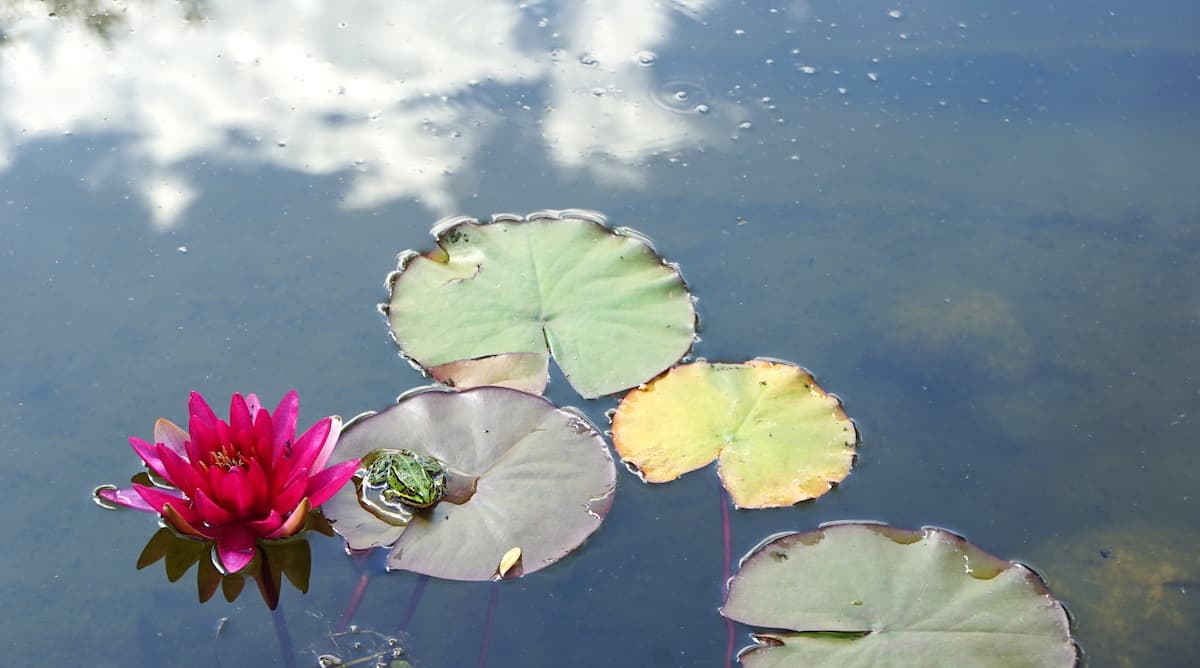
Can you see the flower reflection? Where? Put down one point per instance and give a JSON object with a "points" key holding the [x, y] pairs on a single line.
{"points": [[240, 482], [290, 558]]}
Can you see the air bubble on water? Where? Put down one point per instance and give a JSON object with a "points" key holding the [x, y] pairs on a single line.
{"points": [[646, 58], [896, 14], [682, 96]]}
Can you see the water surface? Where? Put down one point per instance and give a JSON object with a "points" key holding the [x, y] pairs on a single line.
{"points": [[976, 226]]}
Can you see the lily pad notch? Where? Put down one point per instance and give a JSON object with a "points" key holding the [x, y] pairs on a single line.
{"points": [[508, 295], [862, 593]]}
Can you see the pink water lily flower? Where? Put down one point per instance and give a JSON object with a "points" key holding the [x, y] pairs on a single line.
{"points": [[238, 481]]}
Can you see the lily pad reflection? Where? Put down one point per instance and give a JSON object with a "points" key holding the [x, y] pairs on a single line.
{"points": [[542, 481]]}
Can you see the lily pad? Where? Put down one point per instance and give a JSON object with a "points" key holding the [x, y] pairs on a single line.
{"points": [[860, 594], [609, 310], [543, 482], [778, 437]]}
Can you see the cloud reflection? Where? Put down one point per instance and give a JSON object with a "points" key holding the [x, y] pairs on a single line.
{"points": [[604, 115], [385, 92]]}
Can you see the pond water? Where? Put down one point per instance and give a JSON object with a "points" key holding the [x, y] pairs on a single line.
{"points": [[978, 226]]}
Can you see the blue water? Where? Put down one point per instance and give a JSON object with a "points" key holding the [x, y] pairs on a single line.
{"points": [[976, 226]]}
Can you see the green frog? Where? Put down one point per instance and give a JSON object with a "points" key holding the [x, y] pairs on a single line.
{"points": [[407, 477]]}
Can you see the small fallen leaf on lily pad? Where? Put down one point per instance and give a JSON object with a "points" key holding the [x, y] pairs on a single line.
{"points": [[778, 437], [600, 301], [538, 477], [864, 594], [510, 559]]}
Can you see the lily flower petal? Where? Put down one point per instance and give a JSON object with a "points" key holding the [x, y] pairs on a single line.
{"points": [[149, 454], [198, 407], [126, 497], [290, 495], [173, 517], [253, 404], [325, 484], [294, 523], [235, 548], [240, 418], [235, 493], [266, 526], [309, 445], [211, 511], [284, 421], [204, 439], [170, 435], [179, 472], [157, 497], [335, 430], [264, 435]]}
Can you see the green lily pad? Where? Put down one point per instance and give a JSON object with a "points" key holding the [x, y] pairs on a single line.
{"points": [[860, 594], [778, 437], [609, 310], [542, 477]]}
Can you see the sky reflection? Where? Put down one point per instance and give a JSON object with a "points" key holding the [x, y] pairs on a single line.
{"points": [[401, 103]]}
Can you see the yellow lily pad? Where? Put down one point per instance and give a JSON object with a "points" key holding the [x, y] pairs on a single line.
{"points": [[779, 438]]}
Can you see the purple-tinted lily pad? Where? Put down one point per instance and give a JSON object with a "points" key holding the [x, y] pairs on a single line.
{"points": [[544, 481], [859, 594]]}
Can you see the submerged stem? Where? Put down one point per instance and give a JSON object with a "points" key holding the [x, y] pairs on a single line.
{"points": [[726, 540], [493, 595], [411, 609]]}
